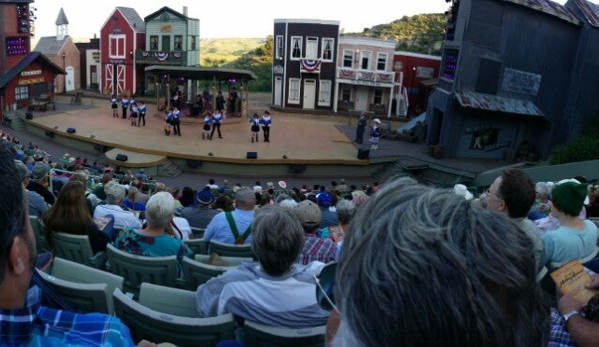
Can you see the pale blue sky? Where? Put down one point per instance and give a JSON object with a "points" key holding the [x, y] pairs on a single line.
{"points": [[232, 18]]}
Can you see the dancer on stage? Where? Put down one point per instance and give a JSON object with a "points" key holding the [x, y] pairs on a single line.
{"points": [[133, 115], [142, 113], [114, 105], [375, 134], [206, 128], [217, 118], [255, 126], [176, 121], [168, 125], [266, 122], [124, 105]]}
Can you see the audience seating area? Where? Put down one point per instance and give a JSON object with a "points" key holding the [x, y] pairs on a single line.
{"points": [[78, 249]]}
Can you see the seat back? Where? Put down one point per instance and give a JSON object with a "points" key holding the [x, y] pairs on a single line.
{"points": [[159, 327], [40, 235], [196, 273], [169, 300], [78, 249], [136, 269], [197, 246], [86, 297], [229, 250], [260, 335], [231, 261], [198, 233], [80, 273]]}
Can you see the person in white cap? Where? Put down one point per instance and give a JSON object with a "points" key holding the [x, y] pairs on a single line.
{"points": [[375, 134]]}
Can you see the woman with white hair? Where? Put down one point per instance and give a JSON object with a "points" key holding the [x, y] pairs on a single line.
{"points": [[154, 239]]}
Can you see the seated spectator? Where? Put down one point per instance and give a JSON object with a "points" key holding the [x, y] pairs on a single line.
{"points": [[70, 214], [99, 191], [141, 174], [223, 203], [200, 215], [234, 227], [153, 240], [345, 210], [323, 250], [41, 182], [411, 245], [273, 291], [592, 208], [114, 198], [574, 238], [131, 200], [187, 196], [24, 321], [36, 202], [328, 217], [575, 324]]}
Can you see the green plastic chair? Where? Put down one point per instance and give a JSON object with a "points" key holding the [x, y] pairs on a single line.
{"points": [[87, 297], [197, 246], [258, 335], [229, 250], [136, 269], [78, 249], [156, 326], [169, 300], [75, 272]]}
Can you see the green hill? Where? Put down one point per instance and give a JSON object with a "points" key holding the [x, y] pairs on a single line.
{"points": [[218, 52]]}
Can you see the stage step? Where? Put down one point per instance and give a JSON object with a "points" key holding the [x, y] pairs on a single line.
{"points": [[167, 168]]}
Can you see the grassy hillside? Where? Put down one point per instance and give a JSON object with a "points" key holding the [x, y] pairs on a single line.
{"points": [[218, 52]]}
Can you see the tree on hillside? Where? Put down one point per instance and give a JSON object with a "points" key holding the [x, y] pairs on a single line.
{"points": [[259, 61], [422, 33]]}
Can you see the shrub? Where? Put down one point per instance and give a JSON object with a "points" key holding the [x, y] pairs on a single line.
{"points": [[583, 148]]}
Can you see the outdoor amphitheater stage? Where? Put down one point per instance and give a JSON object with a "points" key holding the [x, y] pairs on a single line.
{"points": [[298, 144]]}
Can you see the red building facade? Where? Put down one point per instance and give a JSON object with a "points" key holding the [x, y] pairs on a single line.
{"points": [[121, 35]]}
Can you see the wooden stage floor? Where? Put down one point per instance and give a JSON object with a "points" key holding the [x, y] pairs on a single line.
{"points": [[303, 140]]}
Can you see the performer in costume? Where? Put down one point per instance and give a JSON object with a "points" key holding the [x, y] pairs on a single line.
{"points": [[133, 115], [266, 122], [176, 121], [255, 127], [168, 125], [217, 118], [207, 124], [142, 113], [114, 105], [124, 105], [375, 134]]}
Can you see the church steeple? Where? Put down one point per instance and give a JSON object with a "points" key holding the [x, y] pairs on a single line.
{"points": [[62, 25]]}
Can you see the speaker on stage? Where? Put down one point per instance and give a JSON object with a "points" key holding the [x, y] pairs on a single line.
{"points": [[121, 157], [71, 130], [29, 115], [363, 153], [252, 155], [100, 148], [49, 133], [297, 168]]}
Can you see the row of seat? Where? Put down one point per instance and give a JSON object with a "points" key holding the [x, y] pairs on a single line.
{"points": [[163, 314]]}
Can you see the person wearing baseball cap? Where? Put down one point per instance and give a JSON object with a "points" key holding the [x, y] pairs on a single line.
{"points": [[36, 202], [41, 181], [315, 248], [234, 227], [574, 238]]}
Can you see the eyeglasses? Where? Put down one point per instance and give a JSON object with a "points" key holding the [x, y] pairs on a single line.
{"points": [[324, 287]]}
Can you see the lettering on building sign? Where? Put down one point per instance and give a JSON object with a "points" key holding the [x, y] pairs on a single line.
{"points": [[116, 61], [166, 29], [31, 73], [520, 82], [497, 145], [31, 81]]}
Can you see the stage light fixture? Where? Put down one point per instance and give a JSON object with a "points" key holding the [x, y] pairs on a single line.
{"points": [[55, 127], [210, 154], [284, 156]]}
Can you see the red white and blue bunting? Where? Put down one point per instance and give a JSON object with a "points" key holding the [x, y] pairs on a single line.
{"points": [[310, 65]]}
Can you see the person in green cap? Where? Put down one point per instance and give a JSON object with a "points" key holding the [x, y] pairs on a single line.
{"points": [[574, 238]]}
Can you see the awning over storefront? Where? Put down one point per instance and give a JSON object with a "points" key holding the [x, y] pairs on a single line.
{"points": [[497, 103], [201, 73]]}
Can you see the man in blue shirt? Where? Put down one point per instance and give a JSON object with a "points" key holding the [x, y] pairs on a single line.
{"points": [[23, 321], [234, 227]]}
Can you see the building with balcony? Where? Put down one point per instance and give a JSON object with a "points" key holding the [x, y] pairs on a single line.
{"points": [[364, 78], [304, 64], [121, 35], [516, 77], [172, 39]]}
